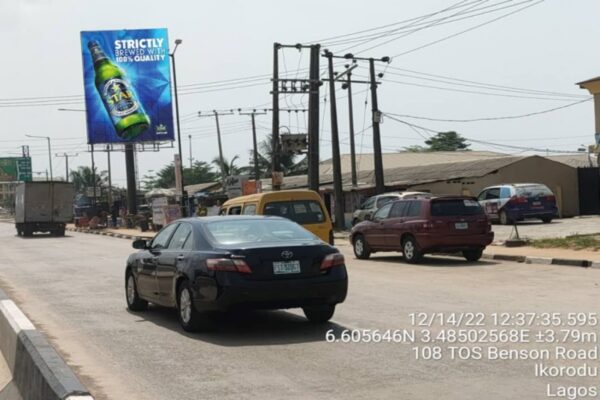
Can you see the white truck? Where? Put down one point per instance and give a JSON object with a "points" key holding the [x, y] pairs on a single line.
{"points": [[43, 207]]}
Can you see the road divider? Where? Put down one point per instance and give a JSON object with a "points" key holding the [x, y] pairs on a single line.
{"points": [[38, 372]]}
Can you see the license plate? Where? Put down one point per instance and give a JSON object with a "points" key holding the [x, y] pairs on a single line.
{"points": [[537, 203], [286, 267], [461, 225]]}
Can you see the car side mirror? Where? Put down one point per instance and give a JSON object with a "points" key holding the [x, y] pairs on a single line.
{"points": [[140, 244]]}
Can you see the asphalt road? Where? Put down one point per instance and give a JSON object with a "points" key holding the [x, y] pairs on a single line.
{"points": [[72, 288]]}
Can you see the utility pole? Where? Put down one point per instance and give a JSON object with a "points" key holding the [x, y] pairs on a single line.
{"points": [[216, 114], [182, 194], [348, 85], [335, 148], [191, 159], [254, 143], [313, 119], [377, 156], [376, 118], [131, 186], [276, 165], [66, 156]]}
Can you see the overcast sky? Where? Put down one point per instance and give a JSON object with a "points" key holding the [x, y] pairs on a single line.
{"points": [[547, 47]]}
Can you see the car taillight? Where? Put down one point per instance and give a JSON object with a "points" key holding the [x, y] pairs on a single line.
{"points": [[427, 225], [332, 260], [226, 264], [550, 198], [518, 199]]}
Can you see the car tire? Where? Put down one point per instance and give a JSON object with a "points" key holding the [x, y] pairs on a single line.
{"points": [[27, 232], [504, 219], [319, 314], [190, 319], [134, 302], [472, 255], [362, 251], [546, 220], [410, 250]]}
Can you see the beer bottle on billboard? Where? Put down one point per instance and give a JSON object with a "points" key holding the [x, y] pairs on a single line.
{"points": [[125, 110]]}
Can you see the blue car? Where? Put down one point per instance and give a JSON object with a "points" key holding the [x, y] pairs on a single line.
{"points": [[516, 202]]}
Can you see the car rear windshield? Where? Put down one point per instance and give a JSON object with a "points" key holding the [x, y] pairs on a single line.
{"points": [[533, 191], [246, 231], [455, 207], [300, 211]]}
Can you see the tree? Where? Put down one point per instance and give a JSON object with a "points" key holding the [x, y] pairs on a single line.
{"points": [[229, 167], [447, 141], [415, 149], [83, 178], [265, 160], [200, 172]]}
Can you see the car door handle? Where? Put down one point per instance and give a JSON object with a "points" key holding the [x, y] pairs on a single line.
{"points": [[180, 258]]}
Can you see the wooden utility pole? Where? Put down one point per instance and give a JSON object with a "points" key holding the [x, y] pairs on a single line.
{"points": [[216, 114], [66, 156], [335, 148], [254, 141], [351, 115], [276, 165], [377, 155], [313, 119]]}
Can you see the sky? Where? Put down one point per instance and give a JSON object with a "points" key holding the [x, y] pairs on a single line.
{"points": [[528, 61]]}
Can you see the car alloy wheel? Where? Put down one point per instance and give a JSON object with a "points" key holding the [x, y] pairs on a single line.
{"points": [[134, 302], [361, 248], [185, 306], [410, 251]]}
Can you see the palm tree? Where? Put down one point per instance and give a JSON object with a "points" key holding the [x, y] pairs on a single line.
{"points": [[229, 168], [83, 178], [265, 159]]}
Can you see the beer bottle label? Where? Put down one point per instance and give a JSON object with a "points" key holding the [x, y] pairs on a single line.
{"points": [[119, 99]]}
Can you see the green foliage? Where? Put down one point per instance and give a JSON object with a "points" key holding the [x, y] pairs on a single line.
{"points": [[447, 141], [575, 242], [229, 167], [200, 172], [265, 161], [83, 178]]}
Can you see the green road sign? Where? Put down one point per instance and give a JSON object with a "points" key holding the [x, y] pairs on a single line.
{"points": [[15, 169]]}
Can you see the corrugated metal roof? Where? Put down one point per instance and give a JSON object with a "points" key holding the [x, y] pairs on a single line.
{"points": [[583, 160], [408, 159]]}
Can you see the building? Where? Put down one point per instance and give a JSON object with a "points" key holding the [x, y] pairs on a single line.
{"points": [[573, 178]]}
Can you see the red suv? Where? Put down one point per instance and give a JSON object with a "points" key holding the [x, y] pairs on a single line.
{"points": [[416, 227]]}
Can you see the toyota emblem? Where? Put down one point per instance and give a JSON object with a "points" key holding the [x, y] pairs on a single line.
{"points": [[287, 255]]}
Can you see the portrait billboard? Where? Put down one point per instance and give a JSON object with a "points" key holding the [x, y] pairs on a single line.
{"points": [[127, 80]]}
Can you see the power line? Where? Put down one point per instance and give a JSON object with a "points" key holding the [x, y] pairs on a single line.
{"points": [[491, 118], [467, 30], [488, 85]]}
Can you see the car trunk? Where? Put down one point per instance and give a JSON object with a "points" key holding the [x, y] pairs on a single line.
{"points": [[534, 198], [456, 217], [282, 262]]}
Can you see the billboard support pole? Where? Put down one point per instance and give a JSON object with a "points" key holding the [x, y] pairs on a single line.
{"points": [[109, 177], [172, 55], [93, 176], [130, 171]]}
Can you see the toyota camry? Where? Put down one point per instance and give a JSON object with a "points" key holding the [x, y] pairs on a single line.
{"points": [[214, 264]]}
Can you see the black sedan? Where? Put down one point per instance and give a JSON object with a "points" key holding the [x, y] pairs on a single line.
{"points": [[216, 264]]}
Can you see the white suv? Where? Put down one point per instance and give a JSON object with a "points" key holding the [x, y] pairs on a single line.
{"points": [[374, 203]]}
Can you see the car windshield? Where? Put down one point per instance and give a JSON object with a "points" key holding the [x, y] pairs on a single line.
{"points": [[533, 191], [455, 207], [300, 211], [244, 231]]}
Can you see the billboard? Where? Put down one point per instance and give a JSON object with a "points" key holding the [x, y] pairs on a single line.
{"points": [[127, 81], [15, 169]]}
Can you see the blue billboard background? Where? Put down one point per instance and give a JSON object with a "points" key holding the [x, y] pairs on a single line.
{"points": [[143, 86]]}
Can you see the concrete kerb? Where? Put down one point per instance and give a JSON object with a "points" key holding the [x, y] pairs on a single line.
{"points": [[38, 371], [500, 257]]}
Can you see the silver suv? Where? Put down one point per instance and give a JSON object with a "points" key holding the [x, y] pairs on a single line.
{"points": [[374, 203]]}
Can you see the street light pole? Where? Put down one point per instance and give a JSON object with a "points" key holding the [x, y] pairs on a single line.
{"points": [[172, 55], [49, 150]]}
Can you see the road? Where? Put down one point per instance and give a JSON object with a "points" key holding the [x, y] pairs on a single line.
{"points": [[72, 288]]}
